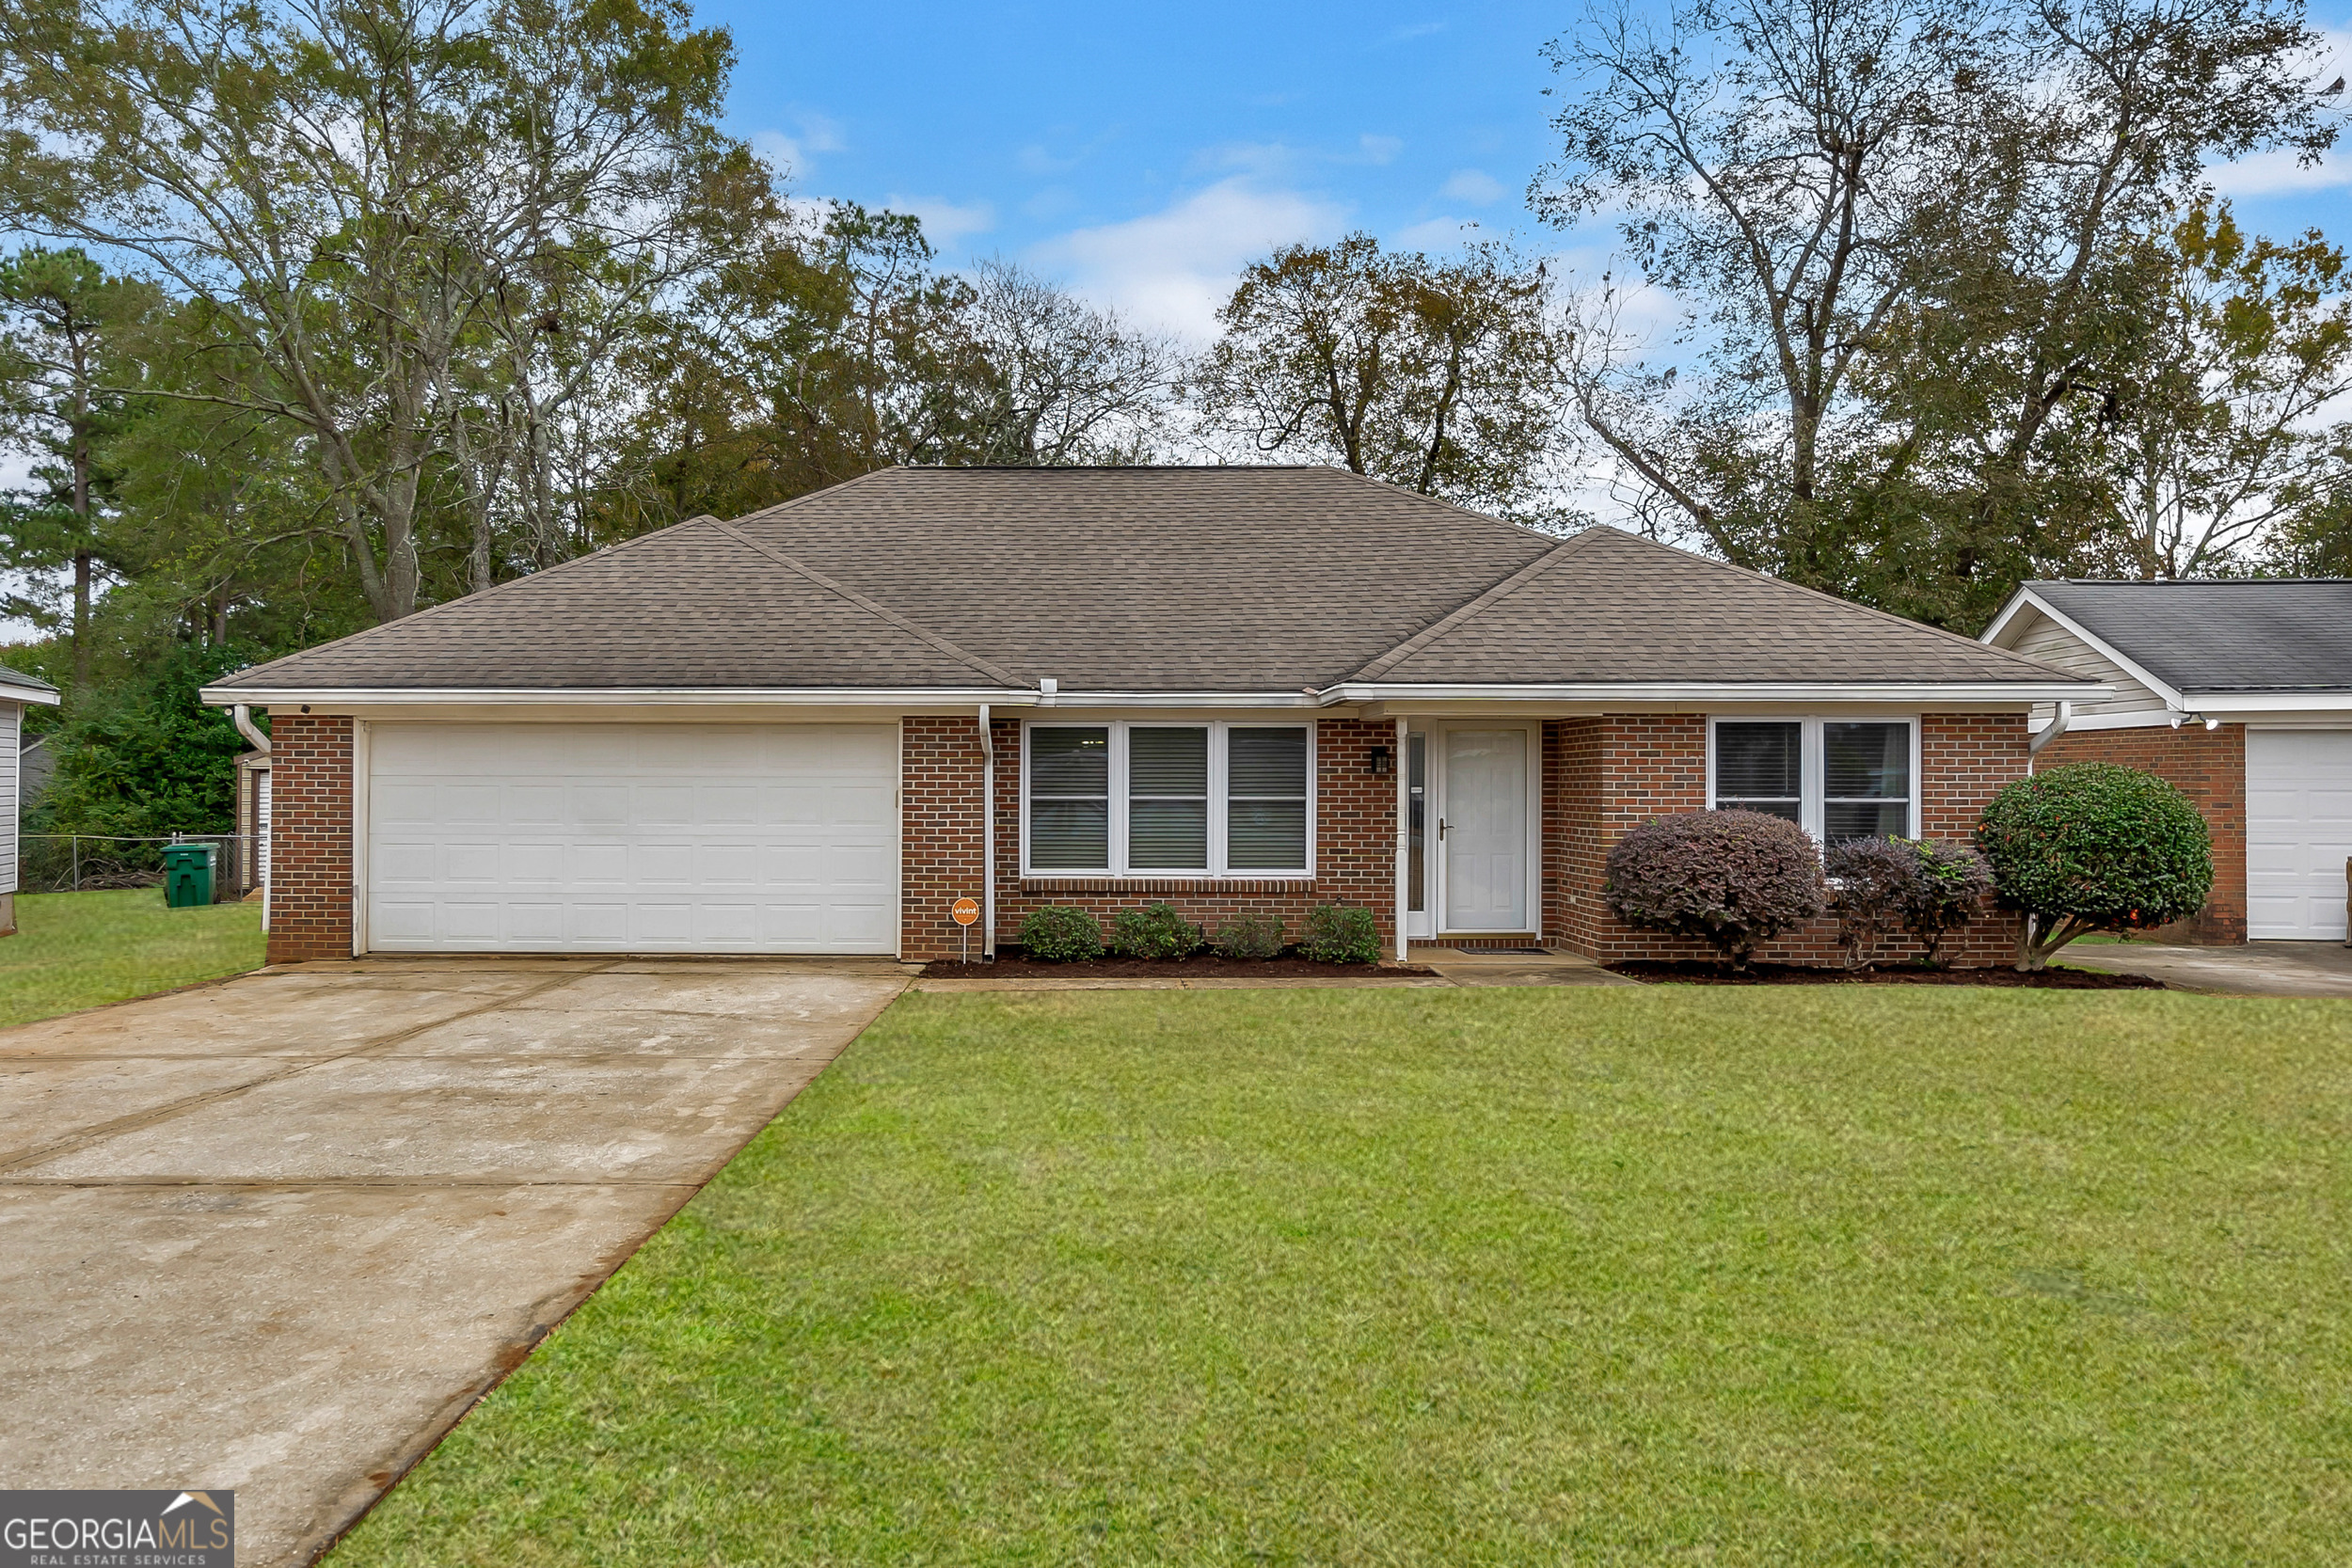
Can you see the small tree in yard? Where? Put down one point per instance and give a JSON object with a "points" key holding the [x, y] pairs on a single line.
{"points": [[1733, 878], [2092, 846]]}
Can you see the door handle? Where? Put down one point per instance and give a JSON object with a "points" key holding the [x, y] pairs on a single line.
{"points": [[1441, 827]]}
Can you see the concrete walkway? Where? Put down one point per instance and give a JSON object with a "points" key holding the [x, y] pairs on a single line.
{"points": [[275, 1235], [2256, 969], [1470, 967]]}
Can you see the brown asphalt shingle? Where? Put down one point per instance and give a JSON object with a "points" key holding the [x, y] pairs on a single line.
{"points": [[1133, 580]]}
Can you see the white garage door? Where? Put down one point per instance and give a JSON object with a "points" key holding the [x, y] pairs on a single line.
{"points": [[633, 838], [2298, 830]]}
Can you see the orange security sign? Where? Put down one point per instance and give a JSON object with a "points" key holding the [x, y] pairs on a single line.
{"points": [[967, 911]]}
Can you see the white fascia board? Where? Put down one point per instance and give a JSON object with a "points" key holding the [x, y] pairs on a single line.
{"points": [[644, 696], [1990, 637], [2123, 662], [1302, 698], [2226, 705], [10, 692], [2000, 694]]}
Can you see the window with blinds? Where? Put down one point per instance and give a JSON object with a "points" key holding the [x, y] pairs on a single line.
{"points": [[1152, 798]]}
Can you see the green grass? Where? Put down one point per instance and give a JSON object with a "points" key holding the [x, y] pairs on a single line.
{"points": [[1681, 1274], [76, 950]]}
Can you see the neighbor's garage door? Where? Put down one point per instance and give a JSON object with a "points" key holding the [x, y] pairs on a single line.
{"points": [[633, 838], [2298, 830]]}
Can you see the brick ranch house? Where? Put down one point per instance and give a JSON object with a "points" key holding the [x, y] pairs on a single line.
{"points": [[812, 729], [2240, 693]]}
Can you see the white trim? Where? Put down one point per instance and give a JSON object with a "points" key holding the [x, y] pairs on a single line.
{"points": [[1990, 693], [1812, 783], [12, 692], [360, 771], [918, 698], [1398, 763], [2076, 630], [2217, 703], [898, 846], [1217, 804]]}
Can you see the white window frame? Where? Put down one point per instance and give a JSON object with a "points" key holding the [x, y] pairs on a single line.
{"points": [[1812, 762], [1219, 787]]}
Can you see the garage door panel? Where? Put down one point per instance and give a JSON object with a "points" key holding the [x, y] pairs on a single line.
{"points": [[633, 837], [2298, 833]]}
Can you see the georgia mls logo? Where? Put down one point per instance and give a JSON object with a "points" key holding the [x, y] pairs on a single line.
{"points": [[117, 1529]]}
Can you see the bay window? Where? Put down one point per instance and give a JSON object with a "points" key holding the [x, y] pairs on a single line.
{"points": [[1156, 799], [1837, 778]]}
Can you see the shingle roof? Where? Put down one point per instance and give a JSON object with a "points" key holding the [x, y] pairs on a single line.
{"points": [[17, 677], [2244, 633], [1236, 579]]}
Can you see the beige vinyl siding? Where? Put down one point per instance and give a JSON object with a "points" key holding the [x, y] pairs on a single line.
{"points": [[2046, 641], [10, 716]]}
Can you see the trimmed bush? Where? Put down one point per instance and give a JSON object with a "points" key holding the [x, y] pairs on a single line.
{"points": [[2092, 846], [1870, 883], [1340, 934], [1947, 894], [1878, 885], [1257, 935], [1058, 933], [1155, 931], [1735, 879]]}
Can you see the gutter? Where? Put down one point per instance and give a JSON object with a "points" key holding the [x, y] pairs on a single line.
{"points": [[988, 839], [2049, 731], [1999, 693], [241, 715]]}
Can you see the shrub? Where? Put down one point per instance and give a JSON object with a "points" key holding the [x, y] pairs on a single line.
{"points": [[1340, 934], [2092, 846], [1946, 894], [1870, 883], [1058, 933], [1155, 931], [1250, 936], [1733, 878]]}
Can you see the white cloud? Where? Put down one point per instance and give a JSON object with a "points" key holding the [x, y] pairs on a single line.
{"points": [[1174, 268], [2277, 173], [1440, 233], [946, 222], [794, 153], [1474, 185], [1381, 149]]}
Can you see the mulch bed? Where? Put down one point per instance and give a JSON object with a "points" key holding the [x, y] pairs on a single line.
{"points": [[1203, 966], [1700, 972]]}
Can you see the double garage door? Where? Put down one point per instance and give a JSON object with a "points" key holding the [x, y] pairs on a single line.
{"points": [[633, 838], [2298, 831]]}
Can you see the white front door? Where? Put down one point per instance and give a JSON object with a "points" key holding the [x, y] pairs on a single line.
{"points": [[1483, 830], [2298, 833], [633, 838]]}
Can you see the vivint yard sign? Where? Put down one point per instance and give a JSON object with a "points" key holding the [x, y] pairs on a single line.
{"points": [[117, 1529]]}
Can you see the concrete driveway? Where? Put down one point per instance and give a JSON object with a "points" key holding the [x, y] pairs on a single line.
{"points": [[2254, 969], [278, 1234]]}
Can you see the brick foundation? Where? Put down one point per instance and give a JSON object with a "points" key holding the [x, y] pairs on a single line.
{"points": [[2208, 767], [311, 867], [1605, 776]]}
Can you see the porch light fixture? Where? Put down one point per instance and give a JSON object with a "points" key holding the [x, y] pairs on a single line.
{"points": [[1383, 760], [2180, 718]]}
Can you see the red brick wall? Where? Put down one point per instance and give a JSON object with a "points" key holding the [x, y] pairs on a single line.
{"points": [[1355, 842], [309, 860], [2208, 767], [1608, 775]]}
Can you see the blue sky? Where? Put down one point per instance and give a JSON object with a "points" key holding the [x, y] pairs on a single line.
{"points": [[1143, 154]]}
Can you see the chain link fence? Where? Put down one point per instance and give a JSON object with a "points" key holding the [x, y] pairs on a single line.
{"points": [[87, 863]]}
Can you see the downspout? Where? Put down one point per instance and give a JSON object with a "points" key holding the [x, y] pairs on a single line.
{"points": [[242, 715], [988, 839], [2049, 731], [1404, 842]]}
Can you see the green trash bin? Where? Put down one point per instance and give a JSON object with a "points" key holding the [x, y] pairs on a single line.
{"points": [[187, 874]]}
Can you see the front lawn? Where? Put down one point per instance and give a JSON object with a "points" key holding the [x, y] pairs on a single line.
{"points": [[1676, 1275], [76, 950]]}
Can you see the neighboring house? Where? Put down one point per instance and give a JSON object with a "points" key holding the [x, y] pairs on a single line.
{"points": [[16, 691], [813, 728], [2240, 693]]}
